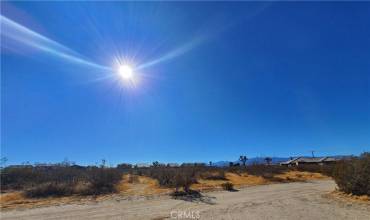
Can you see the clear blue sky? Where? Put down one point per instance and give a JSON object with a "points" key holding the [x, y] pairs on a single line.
{"points": [[213, 81]]}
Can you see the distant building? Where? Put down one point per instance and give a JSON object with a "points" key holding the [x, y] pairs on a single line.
{"points": [[141, 165], [173, 165], [309, 160]]}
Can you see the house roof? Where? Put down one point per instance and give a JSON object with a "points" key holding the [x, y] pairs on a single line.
{"points": [[143, 165], [173, 164], [310, 160]]}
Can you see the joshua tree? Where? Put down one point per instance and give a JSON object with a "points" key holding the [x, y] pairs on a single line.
{"points": [[210, 163], [243, 159], [312, 152], [103, 162], [3, 161], [155, 164], [268, 160]]}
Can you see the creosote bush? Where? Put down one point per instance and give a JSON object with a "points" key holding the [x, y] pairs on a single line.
{"points": [[213, 174], [60, 180], [227, 186], [315, 168], [353, 176], [49, 189], [176, 177], [103, 180]]}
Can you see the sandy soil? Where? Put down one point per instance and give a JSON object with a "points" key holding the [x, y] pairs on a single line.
{"points": [[276, 201]]}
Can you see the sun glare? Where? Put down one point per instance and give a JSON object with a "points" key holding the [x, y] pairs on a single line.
{"points": [[125, 72]]}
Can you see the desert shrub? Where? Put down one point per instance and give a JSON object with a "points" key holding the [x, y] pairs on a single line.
{"points": [[163, 175], [265, 171], [12, 178], [236, 169], [176, 177], [326, 169], [49, 189], [184, 179], [40, 181], [19, 178], [215, 174], [103, 180], [139, 171], [353, 176], [227, 186]]}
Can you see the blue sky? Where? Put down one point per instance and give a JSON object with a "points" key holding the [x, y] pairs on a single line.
{"points": [[212, 81]]}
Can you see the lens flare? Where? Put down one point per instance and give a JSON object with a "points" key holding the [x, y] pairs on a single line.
{"points": [[16, 32]]}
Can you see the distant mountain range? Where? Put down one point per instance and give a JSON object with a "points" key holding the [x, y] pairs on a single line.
{"points": [[250, 161]]}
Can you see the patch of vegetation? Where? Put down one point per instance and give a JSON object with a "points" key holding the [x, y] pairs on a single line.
{"points": [[66, 179], [228, 186], [49, 189], [260, 170], [103, 180], [25, 177], [60, 180], [353, 176], [213, 174], [176, 177], [326, 169]]}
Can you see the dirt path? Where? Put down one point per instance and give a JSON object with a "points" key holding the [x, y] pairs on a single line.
{"points": [[276, 201]]}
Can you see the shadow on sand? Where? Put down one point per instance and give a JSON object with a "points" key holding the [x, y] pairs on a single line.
{"points": [[233, 190], [194, 196]]}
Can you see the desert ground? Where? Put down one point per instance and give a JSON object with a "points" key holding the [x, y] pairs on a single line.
{"points": [[298, 200]]}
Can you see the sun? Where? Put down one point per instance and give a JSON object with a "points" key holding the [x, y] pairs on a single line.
{"points": [[125, 71]]}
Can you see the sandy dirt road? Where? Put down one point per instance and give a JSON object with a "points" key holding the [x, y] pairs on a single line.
{"points": [[276, 201]]}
